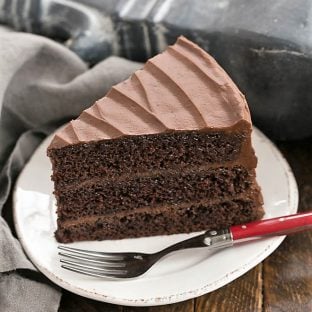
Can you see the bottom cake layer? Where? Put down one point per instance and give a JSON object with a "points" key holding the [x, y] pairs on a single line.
{"points": [[172, 220]]}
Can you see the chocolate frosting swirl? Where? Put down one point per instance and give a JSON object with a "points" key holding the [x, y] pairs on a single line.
{"points": [[183, 88]]}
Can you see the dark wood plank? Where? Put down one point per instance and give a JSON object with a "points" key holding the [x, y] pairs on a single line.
{"points": [[74, 303], [288, 276], [243, 294], [186, 306], [288, 272]]}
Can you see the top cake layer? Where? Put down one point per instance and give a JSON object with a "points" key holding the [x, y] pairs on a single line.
{"points": [[182, 88]]}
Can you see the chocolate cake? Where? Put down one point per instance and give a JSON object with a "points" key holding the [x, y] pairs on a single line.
{"points": [[166, 151]]}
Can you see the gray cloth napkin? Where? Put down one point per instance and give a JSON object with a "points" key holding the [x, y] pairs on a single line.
{"points": [[42, 85]]}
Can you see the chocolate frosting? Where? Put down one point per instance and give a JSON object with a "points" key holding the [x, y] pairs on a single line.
{"points": [[183, 88]]}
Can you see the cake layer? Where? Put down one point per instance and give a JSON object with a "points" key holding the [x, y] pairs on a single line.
{"points": [[165, 188], [168, 220], [136, 154]]}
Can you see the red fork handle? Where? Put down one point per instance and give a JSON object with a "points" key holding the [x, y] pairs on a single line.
{"points": [[276, 226]]}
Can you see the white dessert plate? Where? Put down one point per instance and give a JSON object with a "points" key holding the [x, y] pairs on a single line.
{"points": [[180, 276]]}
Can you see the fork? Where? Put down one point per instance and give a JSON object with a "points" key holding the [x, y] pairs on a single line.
{"points": [[133, 264]]}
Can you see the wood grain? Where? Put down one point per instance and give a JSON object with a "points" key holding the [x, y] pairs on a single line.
{"points": [[288, 272], [186, 306], [243, 294], [288, 276], [74, 303]]}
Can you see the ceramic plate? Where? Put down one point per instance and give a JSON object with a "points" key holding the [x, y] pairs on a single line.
{"points": [[180, 276]]}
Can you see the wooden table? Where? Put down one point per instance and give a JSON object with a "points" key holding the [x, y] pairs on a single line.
{"points": [[282, 282]]}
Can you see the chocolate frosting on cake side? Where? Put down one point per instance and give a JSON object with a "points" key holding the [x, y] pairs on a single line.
{"points": [[182, 88]]}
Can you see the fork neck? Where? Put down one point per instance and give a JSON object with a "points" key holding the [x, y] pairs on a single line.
{"points": [[213, 239]]}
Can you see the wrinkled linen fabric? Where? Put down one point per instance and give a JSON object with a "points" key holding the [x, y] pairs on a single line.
{"points": [[42, 85]]}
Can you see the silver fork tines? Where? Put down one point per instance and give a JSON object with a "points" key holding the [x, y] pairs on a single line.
{"points": [[100, 264], [111, 256], [91, 260], [93, 273], [103, 269]]}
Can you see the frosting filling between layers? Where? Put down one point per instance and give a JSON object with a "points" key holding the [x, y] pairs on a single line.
{"points": [[190, 218], [154, 190], [252, 195], [150, 174]]}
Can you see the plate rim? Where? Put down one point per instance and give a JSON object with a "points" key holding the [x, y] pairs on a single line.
{"points": [[293, 199]]}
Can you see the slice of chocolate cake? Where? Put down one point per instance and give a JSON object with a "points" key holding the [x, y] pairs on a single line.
{"points": [[166, 151]]}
